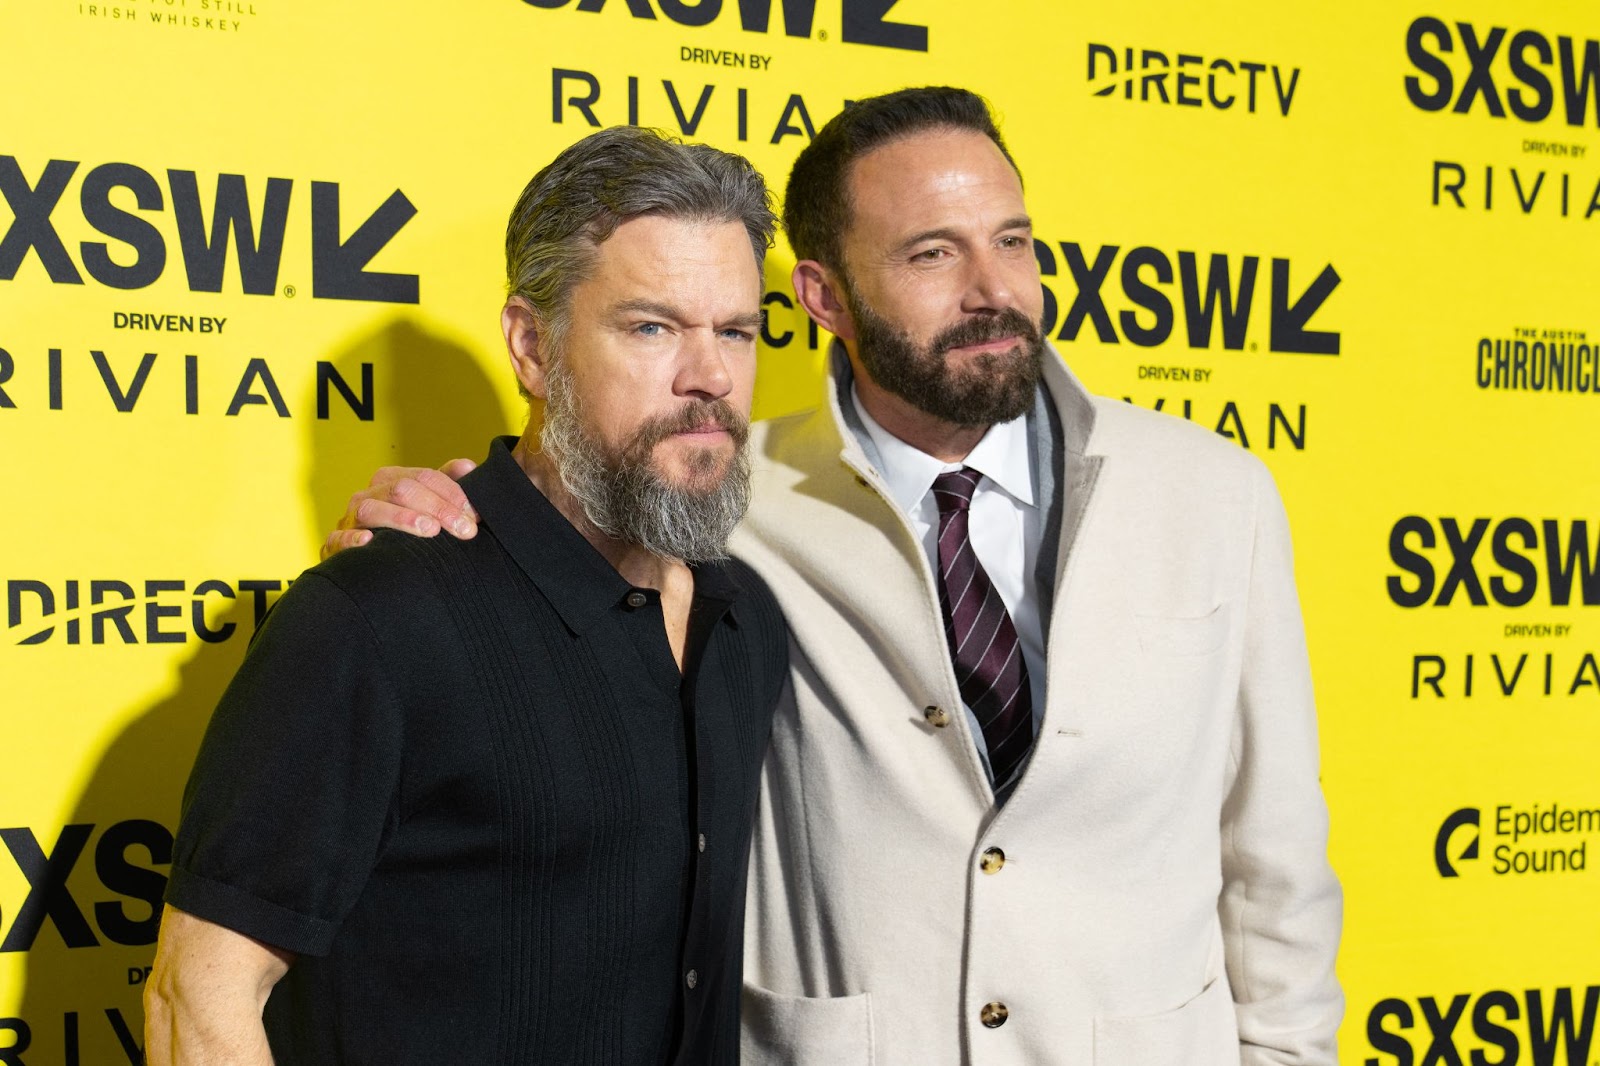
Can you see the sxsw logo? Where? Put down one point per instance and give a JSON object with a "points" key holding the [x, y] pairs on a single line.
{"points": [[1215, 297], [1526, 85], [129, 877], [1540, 1027], [862, 21], [1559, 558], [141, 250]]}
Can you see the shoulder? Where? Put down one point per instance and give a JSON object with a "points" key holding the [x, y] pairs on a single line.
{"points": [[793, 444], [1127, 428], [1158, 463], [1168, 444], [395, 558], [755, 597], [395, 583], [757, 609]]}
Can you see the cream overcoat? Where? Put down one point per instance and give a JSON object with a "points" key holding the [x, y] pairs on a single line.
{"points": [[1164, 896]]}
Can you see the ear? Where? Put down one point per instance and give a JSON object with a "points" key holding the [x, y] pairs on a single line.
{"points": [[821, 295], [525, 333]]}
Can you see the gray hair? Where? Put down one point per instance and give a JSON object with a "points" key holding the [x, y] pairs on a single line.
{"points": [[578, 200]]}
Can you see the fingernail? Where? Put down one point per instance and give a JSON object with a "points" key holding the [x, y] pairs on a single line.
{"points": [[427, 526], [461, 526]]}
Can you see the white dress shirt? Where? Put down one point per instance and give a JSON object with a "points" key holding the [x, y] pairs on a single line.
{"points": [[1004, 524]]}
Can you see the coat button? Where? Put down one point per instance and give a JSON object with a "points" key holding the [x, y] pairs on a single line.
{"points": [[637, 599], [993, 1015], [701, 842], [937, 717], [692, 978], [992, 860]]}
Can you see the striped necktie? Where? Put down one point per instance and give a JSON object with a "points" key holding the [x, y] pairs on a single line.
{"points": [[983, 641]]}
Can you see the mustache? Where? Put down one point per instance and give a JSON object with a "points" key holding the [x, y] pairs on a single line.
{"points": [[982, 328], [696, 414]]}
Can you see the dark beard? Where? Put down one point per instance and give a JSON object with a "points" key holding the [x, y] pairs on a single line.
{"points": [[626, 498], [997, 387]]}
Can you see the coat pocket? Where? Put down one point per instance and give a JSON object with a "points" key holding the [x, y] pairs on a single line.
{"points": [[778, 1030], [1202, 1032], [1194, 635]]}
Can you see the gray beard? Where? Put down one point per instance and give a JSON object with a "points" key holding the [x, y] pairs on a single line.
{"points": [[625, 498]]}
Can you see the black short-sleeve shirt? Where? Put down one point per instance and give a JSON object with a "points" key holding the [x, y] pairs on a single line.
{"points": [[466, 783]]}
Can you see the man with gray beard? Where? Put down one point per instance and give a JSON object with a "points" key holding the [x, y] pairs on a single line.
{"points": [[1046, 788], [490, 801]]}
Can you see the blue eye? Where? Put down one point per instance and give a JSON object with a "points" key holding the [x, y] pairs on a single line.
{"points": [[648, 329]]}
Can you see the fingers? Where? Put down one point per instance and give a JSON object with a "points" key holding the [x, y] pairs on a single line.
{"points": [[456, 469], [373, 512], [340, 539], [435, 493], [412, 500]]}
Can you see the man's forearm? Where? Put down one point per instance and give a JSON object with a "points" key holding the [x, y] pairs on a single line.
{"points": [[179, 1031], [205, 995]]}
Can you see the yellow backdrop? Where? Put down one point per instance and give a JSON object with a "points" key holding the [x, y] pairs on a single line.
{"points": [[251, 249]]}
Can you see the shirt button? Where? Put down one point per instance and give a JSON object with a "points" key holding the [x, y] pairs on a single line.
{"points": [[692, 978], [702, 842], [992, 860], [937, 717], [637, 599], [993, 1015]]}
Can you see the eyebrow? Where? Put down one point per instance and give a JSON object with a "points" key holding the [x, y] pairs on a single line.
{"points": [[751, 320], [946, 234], [645, 307]]}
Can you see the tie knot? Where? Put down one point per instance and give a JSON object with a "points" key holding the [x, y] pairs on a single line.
{"points": [[953, 489]]}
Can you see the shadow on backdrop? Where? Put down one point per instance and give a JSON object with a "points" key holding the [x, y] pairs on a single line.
{"points": [[431, 400]]}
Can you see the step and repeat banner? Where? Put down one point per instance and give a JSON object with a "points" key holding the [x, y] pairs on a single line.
{"points": [[250, 250]]}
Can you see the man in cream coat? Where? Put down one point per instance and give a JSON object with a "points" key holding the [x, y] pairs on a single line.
{"points": [[1154, 887], [1125, 863]]}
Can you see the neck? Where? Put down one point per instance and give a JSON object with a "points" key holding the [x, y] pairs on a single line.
{"points": [[640, 567], [948, 442]]}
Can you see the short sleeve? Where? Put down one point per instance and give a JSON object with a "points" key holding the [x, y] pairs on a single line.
{"points": [[295, 786]]}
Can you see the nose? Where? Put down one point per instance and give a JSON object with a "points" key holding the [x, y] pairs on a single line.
{"points": [[703, 371], [990, 286]]}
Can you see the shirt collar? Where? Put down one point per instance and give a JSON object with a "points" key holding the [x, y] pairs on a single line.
{"points": [[1001, 456]]}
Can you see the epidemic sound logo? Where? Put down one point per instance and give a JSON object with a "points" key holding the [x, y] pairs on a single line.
{"points": [[1464, 818], [1226, 84], [1548, 1025], [338, 264], [861, 21], [1221, 303], [1538, 839], [1530, 93]]}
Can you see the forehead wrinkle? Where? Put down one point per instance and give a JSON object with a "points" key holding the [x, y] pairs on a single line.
{"points": [[964, 184]]}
